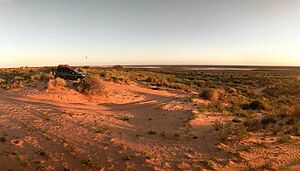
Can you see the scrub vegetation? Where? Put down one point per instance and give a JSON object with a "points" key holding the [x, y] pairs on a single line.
{"points": [[248, 109]]}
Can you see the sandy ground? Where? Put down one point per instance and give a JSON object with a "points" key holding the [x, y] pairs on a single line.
{"points": [[129, 128]]}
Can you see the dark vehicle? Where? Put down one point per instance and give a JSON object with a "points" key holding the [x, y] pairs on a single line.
{"points": [[68, 73]]}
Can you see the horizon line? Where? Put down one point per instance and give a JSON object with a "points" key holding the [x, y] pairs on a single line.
{"points": [[161, 65]]}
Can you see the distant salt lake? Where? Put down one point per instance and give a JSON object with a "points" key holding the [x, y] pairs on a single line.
{"points": [[209, 68], [213, 68], [190, 68], [219, 69]]}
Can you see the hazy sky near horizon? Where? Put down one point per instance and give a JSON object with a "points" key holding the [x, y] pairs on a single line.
{"points": [[222, 32]]}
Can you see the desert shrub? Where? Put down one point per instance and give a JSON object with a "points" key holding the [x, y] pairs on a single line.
{"points": [[276, 128], [120, 80], [258, 105], [2, 81], [209, 94], [268, 120], [179, 86], [222, 93], [255, 105], [208, 83], [240, 131], [4, 86], [285, 111], [268, 165], [18, 78], [295, 130], [118, 67], [249, 92], [58, 82], [252, 124], [3, 139], [15, 85], [287, 88], [296, 112], [223, 130], [213, 94], [200, 83], [284, 139], [46, 76], [91, 85], [216, 107], [290, 121], [221, 107], [152, 79], [164, 82], [243, 113], [106, 75], [235, 100], [35, 77], [42, 76]]}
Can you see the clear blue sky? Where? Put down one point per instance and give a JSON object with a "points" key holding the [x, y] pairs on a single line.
{"points": [[51, 32]]}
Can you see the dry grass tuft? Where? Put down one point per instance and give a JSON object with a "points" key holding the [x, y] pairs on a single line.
{"points": [[92, 85], [58, 82]]}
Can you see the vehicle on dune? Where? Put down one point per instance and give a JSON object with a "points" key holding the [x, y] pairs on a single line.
{"points": [[68, 73]]}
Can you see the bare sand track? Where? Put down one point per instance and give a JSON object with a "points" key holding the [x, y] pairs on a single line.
{"points": [[132, 129]]}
